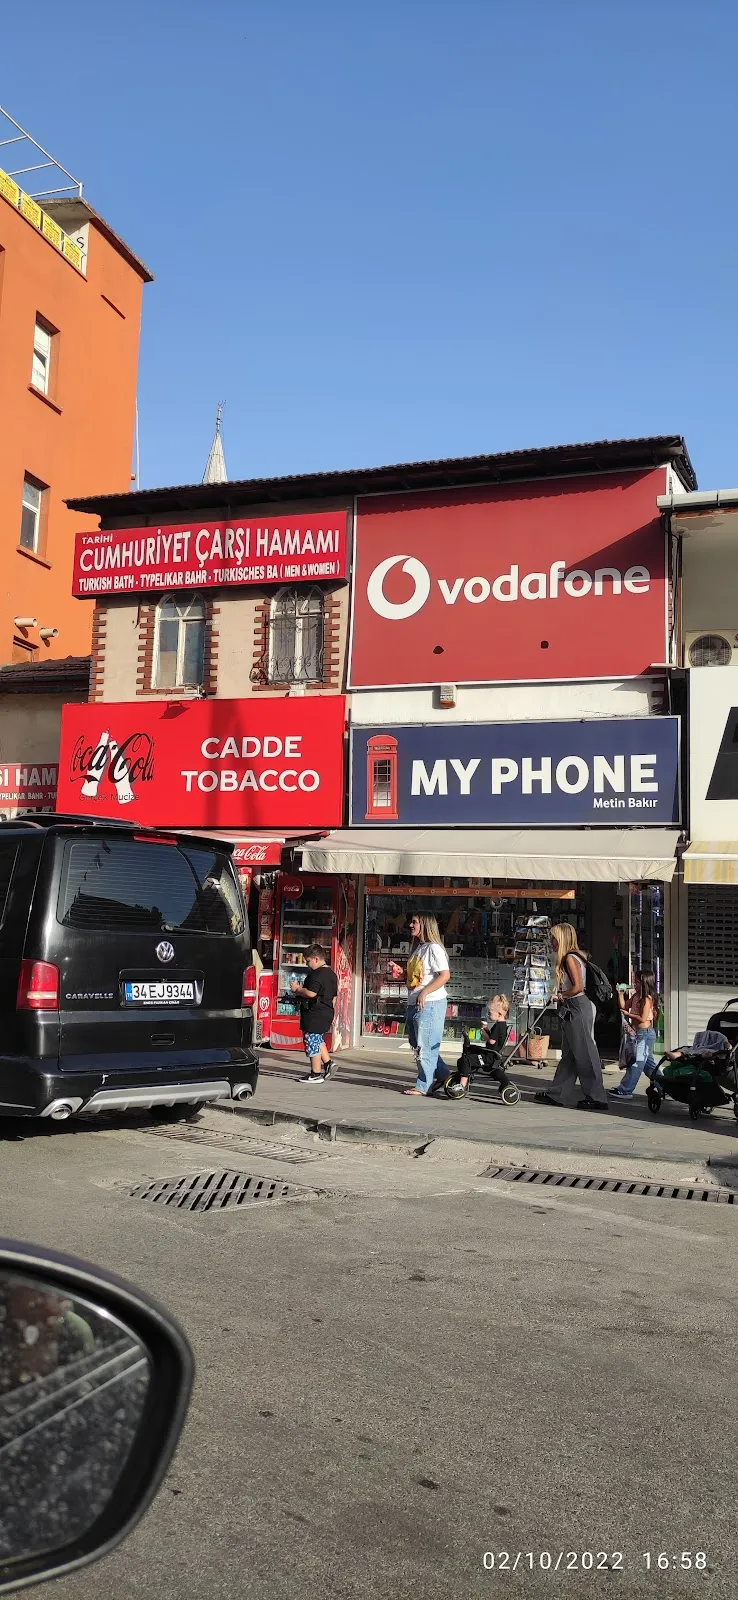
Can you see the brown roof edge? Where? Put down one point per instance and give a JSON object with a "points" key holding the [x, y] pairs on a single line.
{"points": [[108, 233], [459, 471], [27, 677]]}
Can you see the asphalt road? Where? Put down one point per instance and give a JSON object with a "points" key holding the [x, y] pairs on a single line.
{"points": [[410, 1371]]}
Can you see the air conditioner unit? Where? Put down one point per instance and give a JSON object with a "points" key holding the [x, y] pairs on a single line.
{"points": [[710, 648]]}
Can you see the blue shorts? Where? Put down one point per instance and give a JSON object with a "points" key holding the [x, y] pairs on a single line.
{"points": [[313, 1043]]}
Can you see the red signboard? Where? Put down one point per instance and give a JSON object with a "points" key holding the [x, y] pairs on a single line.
{"points": [[553, 580], [206, 763], [210, 555], [27, 786]]}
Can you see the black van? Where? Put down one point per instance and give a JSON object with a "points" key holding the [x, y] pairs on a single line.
{"points": [[125, 970]]}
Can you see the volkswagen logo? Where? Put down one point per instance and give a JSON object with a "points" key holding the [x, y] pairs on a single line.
{"points": [[165, 950]]}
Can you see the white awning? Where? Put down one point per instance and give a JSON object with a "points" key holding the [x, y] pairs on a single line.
{"points": [[605, 855], [711, 861]]}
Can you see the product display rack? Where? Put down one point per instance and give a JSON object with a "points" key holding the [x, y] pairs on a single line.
{"points": [[307, 919]]}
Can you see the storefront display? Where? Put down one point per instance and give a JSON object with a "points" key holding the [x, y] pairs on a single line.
{"points": [[478, 924], [498, 942]]}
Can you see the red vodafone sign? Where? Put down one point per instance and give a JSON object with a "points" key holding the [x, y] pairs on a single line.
{"points": [[206, 763], [560, 579], [208, 555]]}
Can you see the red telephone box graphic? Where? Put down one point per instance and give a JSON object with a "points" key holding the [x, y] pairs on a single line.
{"points": [[381, 778]]}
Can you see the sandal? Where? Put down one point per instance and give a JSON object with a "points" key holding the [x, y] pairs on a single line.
{"points": [[412, 1091]]}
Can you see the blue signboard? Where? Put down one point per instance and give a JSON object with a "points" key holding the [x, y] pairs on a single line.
{"points": [[615, 772]]}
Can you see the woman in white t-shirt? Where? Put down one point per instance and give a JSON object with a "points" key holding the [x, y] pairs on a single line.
{"points": [[427, 975]]}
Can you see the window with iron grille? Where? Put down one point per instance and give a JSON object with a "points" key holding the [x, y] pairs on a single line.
{"points": [[296, 645], [179, 660], [713, 935]]}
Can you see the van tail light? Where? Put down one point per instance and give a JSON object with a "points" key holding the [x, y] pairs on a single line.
{"points": [[249, 987], [38, 987]]}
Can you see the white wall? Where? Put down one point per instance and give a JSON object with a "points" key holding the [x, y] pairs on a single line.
{"points": [[504, 702], [710, 582]]}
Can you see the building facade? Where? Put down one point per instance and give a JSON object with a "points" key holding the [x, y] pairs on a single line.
{"points": [[704, 527], [70, 316], [446, 681]]}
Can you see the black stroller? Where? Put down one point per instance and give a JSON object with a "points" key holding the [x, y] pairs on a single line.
{"points": [[479, 1057], [702, 1075]]}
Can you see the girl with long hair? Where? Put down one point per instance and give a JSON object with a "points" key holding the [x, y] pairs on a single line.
{"points": [[579, 1055], [427, 975], [641, 1012]]}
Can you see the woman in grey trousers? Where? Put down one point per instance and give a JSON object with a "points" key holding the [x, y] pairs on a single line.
{"points": [[579, 1054]]}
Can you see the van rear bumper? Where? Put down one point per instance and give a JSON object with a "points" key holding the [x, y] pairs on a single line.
{"points": [[41, 1093]]}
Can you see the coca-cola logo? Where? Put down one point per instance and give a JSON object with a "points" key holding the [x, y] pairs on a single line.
{"points": [[123, 765], [250, 852]]}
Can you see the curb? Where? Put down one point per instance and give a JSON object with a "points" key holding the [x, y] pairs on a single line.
{"points": [[333, 1132]]}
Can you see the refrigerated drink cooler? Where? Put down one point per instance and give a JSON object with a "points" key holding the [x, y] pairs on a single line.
{"points": [[307, 913]]}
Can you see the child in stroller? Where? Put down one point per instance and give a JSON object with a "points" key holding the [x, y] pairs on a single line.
{"points": [[485, 1054], [697, 1075]]}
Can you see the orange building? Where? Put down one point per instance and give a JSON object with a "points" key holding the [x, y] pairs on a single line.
{"points": [[70, 314]]}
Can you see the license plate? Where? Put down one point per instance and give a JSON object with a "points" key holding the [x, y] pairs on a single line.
{"points": [[159, 993]]}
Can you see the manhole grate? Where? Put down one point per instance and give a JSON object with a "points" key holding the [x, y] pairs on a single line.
{"points": [[627, 1186], [212, 1191], [258, 1148]]}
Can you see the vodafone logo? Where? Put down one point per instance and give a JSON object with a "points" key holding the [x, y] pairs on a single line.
{"points": [[407, 608], [504, 587]]}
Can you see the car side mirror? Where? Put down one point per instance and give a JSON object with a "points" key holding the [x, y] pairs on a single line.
{"points": [[95, 1380]]}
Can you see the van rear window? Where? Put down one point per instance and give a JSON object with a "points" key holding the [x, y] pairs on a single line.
{"points": [[148, 887]]}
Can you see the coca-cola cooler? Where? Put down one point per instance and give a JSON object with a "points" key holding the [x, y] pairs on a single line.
{"points": [[307, 913]]}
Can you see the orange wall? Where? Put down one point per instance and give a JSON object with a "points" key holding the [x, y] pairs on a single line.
{"points": [[86, 445]]}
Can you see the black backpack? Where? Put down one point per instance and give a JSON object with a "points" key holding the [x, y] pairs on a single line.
{"points": [[597, 987]]}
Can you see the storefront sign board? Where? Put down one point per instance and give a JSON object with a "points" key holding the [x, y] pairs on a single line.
{"points": [[562, 579], [713, 751], [206, 763], [238, 551], [27, 786], [608, 772]]}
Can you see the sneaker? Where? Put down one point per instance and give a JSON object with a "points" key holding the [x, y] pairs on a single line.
{"points": [[621, 1094], [313, 1077], [327, 1068]]}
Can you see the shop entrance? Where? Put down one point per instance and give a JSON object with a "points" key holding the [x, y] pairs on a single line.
{"points": [[621, 924]]}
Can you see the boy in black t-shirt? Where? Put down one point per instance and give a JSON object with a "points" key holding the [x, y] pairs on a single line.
{"points": [[318, 1002]]}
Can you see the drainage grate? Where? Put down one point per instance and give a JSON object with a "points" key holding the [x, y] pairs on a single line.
{"points": [[212, 1191], [295, 1154], [575, 1180]]}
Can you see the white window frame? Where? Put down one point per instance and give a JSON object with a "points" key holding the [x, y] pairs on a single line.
{"points": [[37, 510], [42, 351], [292, 589], [184, 601]]}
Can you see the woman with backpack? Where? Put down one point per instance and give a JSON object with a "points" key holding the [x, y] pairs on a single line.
{"points": [[579, 1055]]}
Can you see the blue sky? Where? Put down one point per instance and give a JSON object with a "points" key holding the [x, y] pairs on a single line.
{"points": [[386, 230]]}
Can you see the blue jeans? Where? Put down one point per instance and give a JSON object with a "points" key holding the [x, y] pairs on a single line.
{"points": [[425, 1032], [644, 1060]]}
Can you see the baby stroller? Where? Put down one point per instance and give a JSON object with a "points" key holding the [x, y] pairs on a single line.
{"points": [[477, 1056], [480, 1057], [701, 1076]]}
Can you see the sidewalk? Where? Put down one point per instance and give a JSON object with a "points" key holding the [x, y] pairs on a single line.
{"points": [[363, 1098]]}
